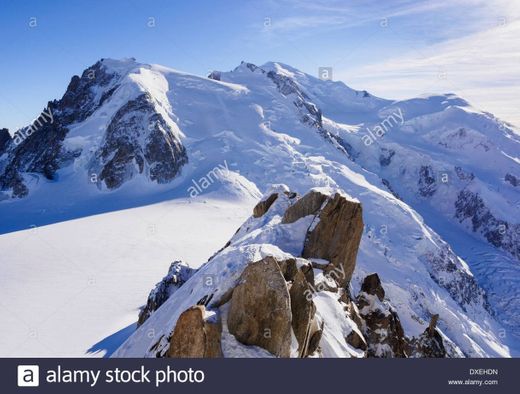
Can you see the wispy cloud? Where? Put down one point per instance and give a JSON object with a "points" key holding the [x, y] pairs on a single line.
{"points": [[294, 16], [482, 67]]}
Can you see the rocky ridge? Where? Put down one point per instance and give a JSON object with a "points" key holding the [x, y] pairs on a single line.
{"points": [[289, 305]]}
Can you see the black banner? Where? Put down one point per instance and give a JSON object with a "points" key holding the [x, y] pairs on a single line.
{"points": [[260, 375]]}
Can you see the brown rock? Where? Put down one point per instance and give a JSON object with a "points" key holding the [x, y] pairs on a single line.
{"points": [[372, 285], [337, 235], [307, 205], [382, 328], [308, 272], [194, 337], [260, 310], [433, 324], [356, 340], [317, 333], [430, 343], [303, 310], [288, 268], [263, 206], [353, 314]]}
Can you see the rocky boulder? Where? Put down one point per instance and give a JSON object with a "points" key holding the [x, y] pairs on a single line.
{"points": [[178, 273], [195, 335], [336, 236], [260, 308], [307, 205], [263, 206], [303, 311]]}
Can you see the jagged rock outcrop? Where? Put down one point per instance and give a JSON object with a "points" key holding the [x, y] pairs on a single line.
{"points": [[303, 310], [382, 327], [307, 205], [285, 305], [356, 340], [196, 335], [471, 208], [513, 180], [336, 236], [461, 285], [178, 273], [215, 75], [385, 157], [429, 344], [263, 206], [427, 184], [260, 308], [311, 114], [123, 152]]}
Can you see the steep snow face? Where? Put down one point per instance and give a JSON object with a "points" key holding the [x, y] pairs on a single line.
{"points": [[244, 130]]}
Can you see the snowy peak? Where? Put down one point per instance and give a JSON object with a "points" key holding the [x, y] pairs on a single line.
{"points": [[111, 121]]}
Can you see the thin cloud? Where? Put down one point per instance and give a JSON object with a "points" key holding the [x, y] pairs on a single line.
{"points": [[482, 68]]}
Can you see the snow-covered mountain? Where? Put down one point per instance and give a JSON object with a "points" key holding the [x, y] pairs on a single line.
{"points": [[437, 179]]}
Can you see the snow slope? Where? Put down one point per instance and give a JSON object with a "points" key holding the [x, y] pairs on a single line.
{"points": [[273, 125], [74, 288]]}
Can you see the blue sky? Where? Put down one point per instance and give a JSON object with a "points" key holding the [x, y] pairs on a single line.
{"points": [[395, 49]]}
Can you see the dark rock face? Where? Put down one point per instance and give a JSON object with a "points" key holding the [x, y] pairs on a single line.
{"points": [[215, 75], [260, 309], [303, 310], [386, 182], [194, 336], [513, 180], [501, 234], [263, 206], [80, 100], [5, 137], [311, 114], [336, 236], [372, 285], [430, 343], [427, 183], [122, 154], [41, 150], [356, 340], [382, 328], [385, 158], [178, 274], [307, 205], [462, 287]]}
